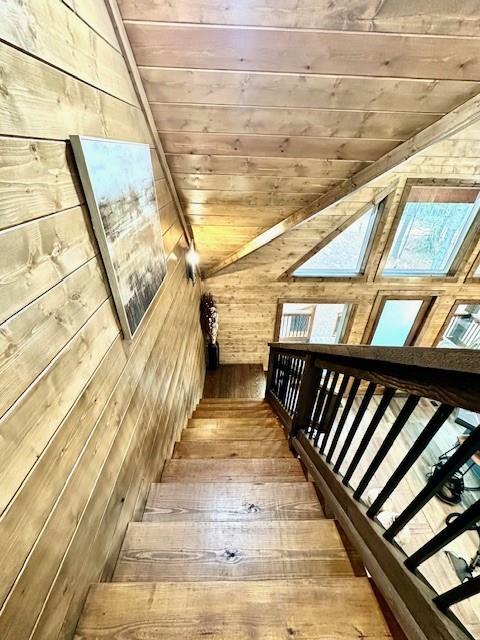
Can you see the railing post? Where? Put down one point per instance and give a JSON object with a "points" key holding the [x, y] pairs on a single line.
{"points": [[270, 371], [306, 397]]}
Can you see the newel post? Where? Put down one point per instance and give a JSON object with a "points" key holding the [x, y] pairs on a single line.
{"points": [[271, 364], [306, 397]]}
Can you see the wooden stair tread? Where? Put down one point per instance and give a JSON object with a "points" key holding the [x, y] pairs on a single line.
{"points": [[242, 501], [234, 470], [312, 609], [232, 432], [174, 551], [232, 449]]}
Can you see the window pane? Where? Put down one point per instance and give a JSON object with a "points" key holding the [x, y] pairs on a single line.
{"points": [[463, 329], [433, 226], [395, 323], [344, 255], [319, 323]]}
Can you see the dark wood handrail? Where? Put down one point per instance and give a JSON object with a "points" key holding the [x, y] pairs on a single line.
{"points": [[459, 360], [451, 376], [331, 400]]}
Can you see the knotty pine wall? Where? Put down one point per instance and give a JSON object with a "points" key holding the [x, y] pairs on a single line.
{"points": [[86, 418]]}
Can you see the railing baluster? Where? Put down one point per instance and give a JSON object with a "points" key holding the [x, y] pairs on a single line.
{"points": [[322, 425], [434, 424], [293, 385], [288, 385], [458, 526], [370, 430], [400, 421], [316, 402], [296, 385], [288, 377], [333, 410], [311, 377], [341, 423], [355, 424], [461, 455], [457, 594], [281, 378], [320, 402]]}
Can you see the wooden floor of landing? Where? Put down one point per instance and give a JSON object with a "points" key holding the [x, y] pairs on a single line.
{"points": [[235, 381]]}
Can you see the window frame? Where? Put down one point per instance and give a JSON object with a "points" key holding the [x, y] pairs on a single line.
{"points": [[471, 277], [348, 320], [465, 251], [450, 314], [420, 320], [382, 202]]}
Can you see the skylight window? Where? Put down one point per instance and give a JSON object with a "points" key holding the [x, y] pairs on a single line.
{"points": [[346, 254], [433, 227]]}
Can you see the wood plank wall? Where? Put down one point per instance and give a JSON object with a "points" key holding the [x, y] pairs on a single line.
{"points": [[86, 418]]}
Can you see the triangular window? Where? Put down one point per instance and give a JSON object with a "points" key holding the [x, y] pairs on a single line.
{"points": [[346, 254]]}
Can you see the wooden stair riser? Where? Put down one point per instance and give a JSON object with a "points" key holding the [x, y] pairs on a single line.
{"points": [[232, 449], [250, 470], [219, 402], [237, 413], [242, 432], [258, 423]]}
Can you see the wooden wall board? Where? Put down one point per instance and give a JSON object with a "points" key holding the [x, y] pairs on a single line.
{"points": [[356, 15], [95, 14], [32, 338], [42, 101], [360, 149], [304, 90], [86, 419], [39, 254], [129, 454], [50, 31], [266, 184], [302, 50], [271, 167], [36, 178], [292, 122]]}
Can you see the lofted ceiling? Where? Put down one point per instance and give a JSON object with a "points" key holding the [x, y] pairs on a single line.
{"points": [[263, 105]]}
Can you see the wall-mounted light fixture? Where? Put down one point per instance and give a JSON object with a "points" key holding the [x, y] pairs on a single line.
{"points": [[191, 259]]}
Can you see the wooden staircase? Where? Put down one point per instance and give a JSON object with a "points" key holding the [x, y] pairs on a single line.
{"points": [[233, 544]]}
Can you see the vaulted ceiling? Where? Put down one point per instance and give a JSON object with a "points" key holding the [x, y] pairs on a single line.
{"points": [[263, 105]]}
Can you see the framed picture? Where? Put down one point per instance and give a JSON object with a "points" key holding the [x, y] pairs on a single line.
{"points": [[119, 186]]}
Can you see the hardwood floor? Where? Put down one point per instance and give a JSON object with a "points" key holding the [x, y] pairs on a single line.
{"points": [[235, 381], [234, 547]]}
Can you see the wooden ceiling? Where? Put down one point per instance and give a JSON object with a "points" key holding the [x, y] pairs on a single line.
{"points": [[263, 105]]}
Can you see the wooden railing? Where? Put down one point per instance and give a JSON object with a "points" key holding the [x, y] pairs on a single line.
{"points": [[335, 404]]}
